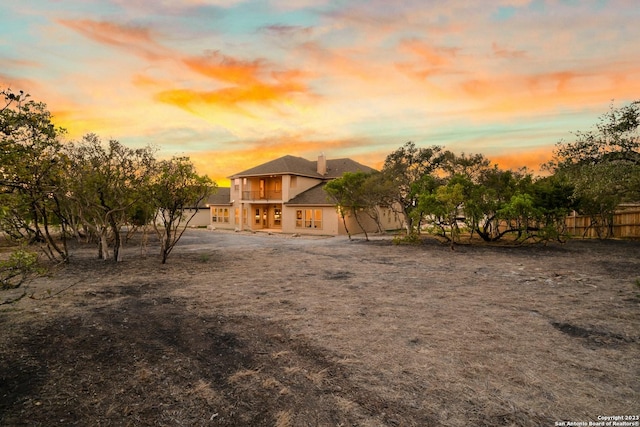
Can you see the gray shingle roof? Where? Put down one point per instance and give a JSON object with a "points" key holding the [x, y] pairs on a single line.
{"points": [[221, 197], [315, 196], [337, 167], [292, 165]]}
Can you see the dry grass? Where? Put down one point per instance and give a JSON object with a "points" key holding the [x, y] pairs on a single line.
{"points": [[287, 332]]}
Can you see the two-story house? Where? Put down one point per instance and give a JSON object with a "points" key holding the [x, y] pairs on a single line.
{"points": [[287, 195]]}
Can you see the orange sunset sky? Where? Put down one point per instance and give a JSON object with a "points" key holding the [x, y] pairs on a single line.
{"points": [[236, 83]]}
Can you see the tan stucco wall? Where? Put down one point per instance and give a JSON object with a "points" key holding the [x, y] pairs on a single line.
{"points": [[224, 225], [389, 220], [302, 185], [330, 224]]}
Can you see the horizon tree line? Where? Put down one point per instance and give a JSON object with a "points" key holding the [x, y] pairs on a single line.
{"points": [[51, 190], [437, 190]]}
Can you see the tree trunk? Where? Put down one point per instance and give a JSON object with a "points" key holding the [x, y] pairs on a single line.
{"points": [[344, 222], [103, 243], [165, 243], [355, 215], [117, 244]]}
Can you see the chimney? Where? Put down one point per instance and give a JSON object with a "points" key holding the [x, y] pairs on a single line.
{"points": [[322, 164]]}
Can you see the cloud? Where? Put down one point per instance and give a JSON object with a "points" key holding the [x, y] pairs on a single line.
{"points": [[131, 38], [427, 53], [288, 31], [232, 98], [503, 52], [242, 86], [225, 68], [286, 77], [227, 84]]}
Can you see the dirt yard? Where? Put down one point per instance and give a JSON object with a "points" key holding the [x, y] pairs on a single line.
{"points": [[271, 330]]}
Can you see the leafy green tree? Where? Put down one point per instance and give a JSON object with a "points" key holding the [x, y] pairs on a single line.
{"points": [[470, 166], [603, 165], [405, 170], [32, 175], [519, 216], [485, 199], [175, 187], [349, 194], [552, 197], [377, 193], [105, 182], [443, 206]]}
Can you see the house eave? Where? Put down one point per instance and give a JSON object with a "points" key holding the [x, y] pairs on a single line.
{"points": [[323, 205], [277, 174]]}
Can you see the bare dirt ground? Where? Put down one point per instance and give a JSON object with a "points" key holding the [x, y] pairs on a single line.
{"points": [[271, 330]]}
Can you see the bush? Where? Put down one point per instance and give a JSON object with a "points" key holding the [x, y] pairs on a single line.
{"points": [[407, 239], [20, 267]]}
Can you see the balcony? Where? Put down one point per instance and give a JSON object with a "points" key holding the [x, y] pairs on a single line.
{"points": [[265, 195]]}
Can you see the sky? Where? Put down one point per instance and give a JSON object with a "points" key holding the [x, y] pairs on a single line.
{"points": [[234, 83]]}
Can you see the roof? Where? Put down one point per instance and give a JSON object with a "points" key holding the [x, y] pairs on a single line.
{"points": [[337, 167], [222, 196], [315, 196], [292, 165]]}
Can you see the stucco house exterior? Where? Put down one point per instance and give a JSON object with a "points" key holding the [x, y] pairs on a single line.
{"points": [[202, 213], [286, 195]]}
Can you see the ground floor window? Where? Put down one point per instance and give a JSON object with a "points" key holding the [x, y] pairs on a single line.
{"points": [[277, 216], [309, 218], [220, 215]]}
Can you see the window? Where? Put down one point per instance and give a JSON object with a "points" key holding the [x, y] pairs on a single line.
{"points": [[293, 182], [277, 216], [220, 215], [309, 218], [298, 219], [317, 218], [236, 215], [245, 215]]}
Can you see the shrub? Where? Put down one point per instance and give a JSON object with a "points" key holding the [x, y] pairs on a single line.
{"points": [[20, 267]]}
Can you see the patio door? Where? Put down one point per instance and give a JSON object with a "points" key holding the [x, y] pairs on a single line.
{"points": [[260, 217], [277, 216]]}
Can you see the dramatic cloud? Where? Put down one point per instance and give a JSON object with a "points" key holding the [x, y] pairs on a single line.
{"points": [[135, 39], [238, 82]]}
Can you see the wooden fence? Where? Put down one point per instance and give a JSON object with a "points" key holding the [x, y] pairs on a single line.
{"points": [[626, 224]]}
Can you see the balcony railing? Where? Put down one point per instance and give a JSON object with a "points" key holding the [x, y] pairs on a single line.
{"points": [[262, 195]]}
